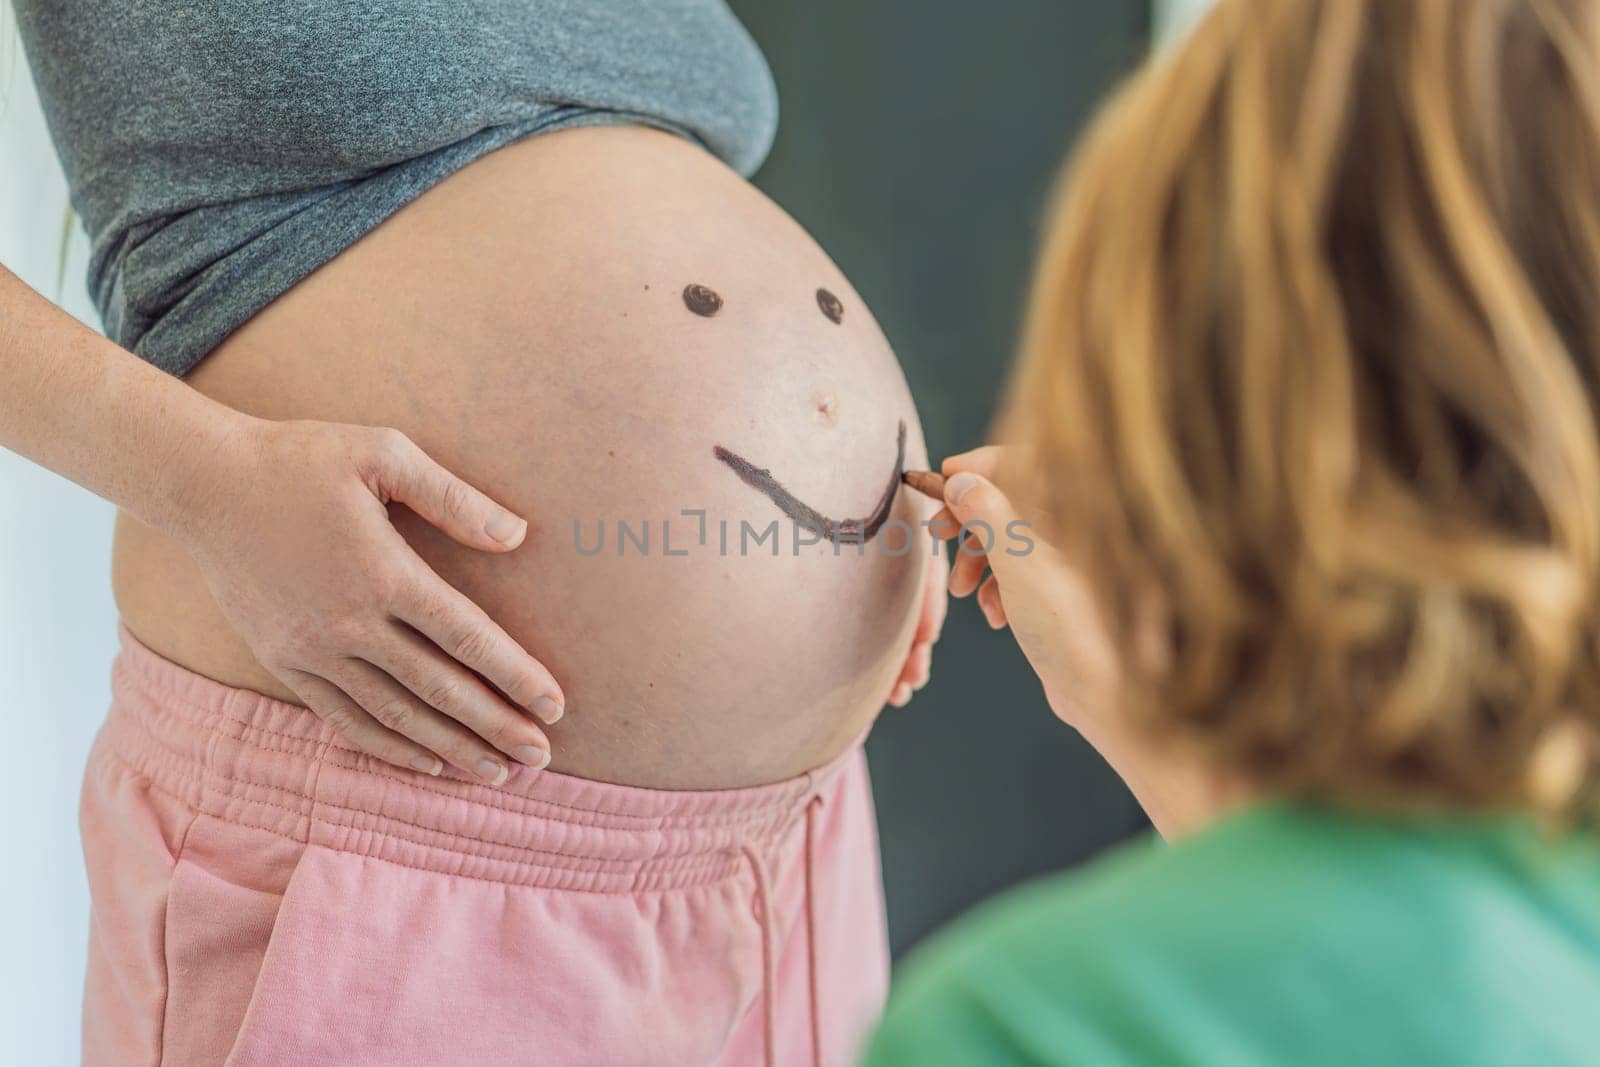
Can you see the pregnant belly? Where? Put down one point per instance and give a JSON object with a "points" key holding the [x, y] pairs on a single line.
{"points": [[527, 323]]}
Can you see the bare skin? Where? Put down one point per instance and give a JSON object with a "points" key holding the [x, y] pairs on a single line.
{"points": [[1050, 611], [525, 322], [836, 531], [285, 524]]}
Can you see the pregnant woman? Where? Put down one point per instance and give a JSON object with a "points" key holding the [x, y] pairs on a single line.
{"points": [[310, 844]]}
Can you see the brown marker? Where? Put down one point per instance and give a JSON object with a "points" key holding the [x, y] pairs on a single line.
{"points": [[928, 483]]}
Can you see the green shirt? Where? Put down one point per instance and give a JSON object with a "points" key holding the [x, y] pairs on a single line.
{"points": [[1279, 936]]}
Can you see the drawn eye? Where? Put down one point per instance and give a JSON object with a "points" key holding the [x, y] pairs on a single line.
{"points": [[830, 305], [706, 302], [701, 300]]}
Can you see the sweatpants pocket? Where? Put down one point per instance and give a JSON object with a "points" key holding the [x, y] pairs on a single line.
{"points": [[302, 997], [371, 961], [132, 833], [228, 895]]}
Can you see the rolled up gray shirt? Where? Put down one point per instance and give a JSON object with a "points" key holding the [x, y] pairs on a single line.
{"points": [[218, 153]]}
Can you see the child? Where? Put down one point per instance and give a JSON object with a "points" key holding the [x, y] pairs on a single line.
{"points": [[1307, 408]]}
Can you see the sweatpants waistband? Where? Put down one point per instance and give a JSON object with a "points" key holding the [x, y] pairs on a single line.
{"points": [[236, 755]]}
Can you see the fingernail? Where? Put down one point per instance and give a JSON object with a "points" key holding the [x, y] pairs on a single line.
{"points": [[427, 764], [532, 755], [505, 528], [547, 709], [492, 772], [959, 486]]}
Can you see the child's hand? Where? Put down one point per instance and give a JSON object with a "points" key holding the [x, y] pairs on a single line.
{"points": [[1031, 588]]}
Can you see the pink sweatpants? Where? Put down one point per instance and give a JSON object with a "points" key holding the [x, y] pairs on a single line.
{"points": [[265, 895]]}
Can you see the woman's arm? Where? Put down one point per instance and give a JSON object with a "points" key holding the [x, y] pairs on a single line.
{"points": [[288, 522]]}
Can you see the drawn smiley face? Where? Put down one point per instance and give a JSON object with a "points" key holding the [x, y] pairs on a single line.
{"points": [[706, 302]]}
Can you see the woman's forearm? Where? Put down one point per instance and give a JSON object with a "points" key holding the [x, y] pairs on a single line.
{"points": [[92, 412], [286, 523]]}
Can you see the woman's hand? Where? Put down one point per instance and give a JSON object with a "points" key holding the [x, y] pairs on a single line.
{"points": [[287, 521], [918, 666], [289, 525]]}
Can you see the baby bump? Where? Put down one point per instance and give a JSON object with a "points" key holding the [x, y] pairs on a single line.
{"points": [[622, 340]]}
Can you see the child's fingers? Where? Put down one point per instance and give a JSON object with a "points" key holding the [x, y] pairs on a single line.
{"points": [[970, 562], [989, 600], [982, 461]]}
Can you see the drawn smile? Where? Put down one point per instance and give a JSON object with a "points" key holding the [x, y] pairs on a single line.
{"points": [[853, 531]]}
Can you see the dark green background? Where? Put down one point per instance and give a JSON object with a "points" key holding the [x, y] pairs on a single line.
{"points": [[918, 142]]}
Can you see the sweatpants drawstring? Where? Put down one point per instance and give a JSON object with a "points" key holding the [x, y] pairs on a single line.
{"points": [[769, 961], [811, 929], [769, 950]]}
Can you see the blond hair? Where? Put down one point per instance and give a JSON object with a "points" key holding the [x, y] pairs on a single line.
{"points": [[1313, 353]]}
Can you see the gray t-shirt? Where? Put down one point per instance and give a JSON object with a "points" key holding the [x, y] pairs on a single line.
{"points": [[220, 152]]}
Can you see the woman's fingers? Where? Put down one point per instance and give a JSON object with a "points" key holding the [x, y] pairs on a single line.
{"points": [[402, 712], [340, 711], [465, 633], [935, 602], [305, 564], [429, 678], [920, 667], [407, 474], [914, 674]]}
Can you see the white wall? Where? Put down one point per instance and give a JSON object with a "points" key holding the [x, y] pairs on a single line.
{"points": [[57, 633], [1173, 17]]}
